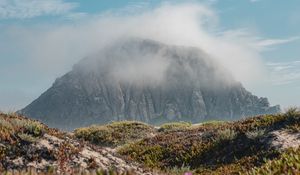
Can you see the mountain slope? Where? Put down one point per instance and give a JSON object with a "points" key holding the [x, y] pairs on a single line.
{"points": [[148, 81]]}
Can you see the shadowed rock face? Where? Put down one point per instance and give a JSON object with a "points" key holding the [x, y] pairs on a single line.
{"points": [[147, 81]]}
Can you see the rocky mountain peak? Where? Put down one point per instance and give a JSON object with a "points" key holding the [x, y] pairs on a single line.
{"points": [[137, 79]]}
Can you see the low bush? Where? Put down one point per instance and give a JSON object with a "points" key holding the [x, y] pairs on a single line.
{"points": [[254, 134], [34, 128], [169, 149], [18, 132], [13, 125], [115, 133], [288, 163], [226, 134], [27, 138]]}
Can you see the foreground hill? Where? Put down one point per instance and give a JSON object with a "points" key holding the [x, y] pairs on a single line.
{"points": [[267, 144], [30, 146], [147, 81]]}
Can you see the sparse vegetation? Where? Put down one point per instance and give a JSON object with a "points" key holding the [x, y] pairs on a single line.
{"points": [[254, 134], [13, 126], [115, 133], [288, 163], [27, 138], [30, 147], [176, 148], [213, 148], [226, 134], [295, 127]]}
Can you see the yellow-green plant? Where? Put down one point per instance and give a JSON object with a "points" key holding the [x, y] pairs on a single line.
{"points": [[288, 163], [115, 133], [175, 126]]}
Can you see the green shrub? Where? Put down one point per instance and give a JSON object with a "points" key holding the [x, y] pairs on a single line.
{"points": [[149, 155], [257, 133], [115, 133], [34, 128], [294, 128], [174, 126], [6, 129], [27, 138], [226, 134], [168, 149], [4, 123], [28, 126], [288, 163], [293, 111], [213, 122]]}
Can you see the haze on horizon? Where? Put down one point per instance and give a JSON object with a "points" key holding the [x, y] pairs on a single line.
{"points": [[42, 40]]}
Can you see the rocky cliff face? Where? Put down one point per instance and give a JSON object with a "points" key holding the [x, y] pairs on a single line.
{"points": [[147, 81]]}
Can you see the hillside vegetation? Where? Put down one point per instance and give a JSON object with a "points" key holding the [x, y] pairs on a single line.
{"points": [[30, 147], [225, 147], [115, 133], [267, 144]]}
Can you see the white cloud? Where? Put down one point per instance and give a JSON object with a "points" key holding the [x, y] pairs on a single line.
{"points": [[283, 73], [183, 24], [49, 50], [257, 43], [272, 42], [22, 9]]}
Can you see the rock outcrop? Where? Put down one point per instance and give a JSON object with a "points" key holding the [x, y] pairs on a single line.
{"points": [[147, 81]]}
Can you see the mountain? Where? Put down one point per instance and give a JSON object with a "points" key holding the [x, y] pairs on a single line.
{"points": [[137, 79]]}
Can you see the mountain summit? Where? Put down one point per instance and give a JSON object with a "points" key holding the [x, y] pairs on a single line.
{"points": [[145, 80]]}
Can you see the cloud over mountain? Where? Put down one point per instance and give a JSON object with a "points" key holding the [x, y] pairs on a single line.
{"points": [[48, 50]]}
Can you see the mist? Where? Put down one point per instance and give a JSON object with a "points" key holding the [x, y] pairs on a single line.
{"points": [[49, 51]]}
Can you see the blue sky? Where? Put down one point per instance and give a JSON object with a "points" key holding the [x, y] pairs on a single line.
{"points": [[37, 40]]}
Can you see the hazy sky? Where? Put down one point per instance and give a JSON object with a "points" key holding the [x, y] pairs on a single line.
{"points": [[258, 40]]}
